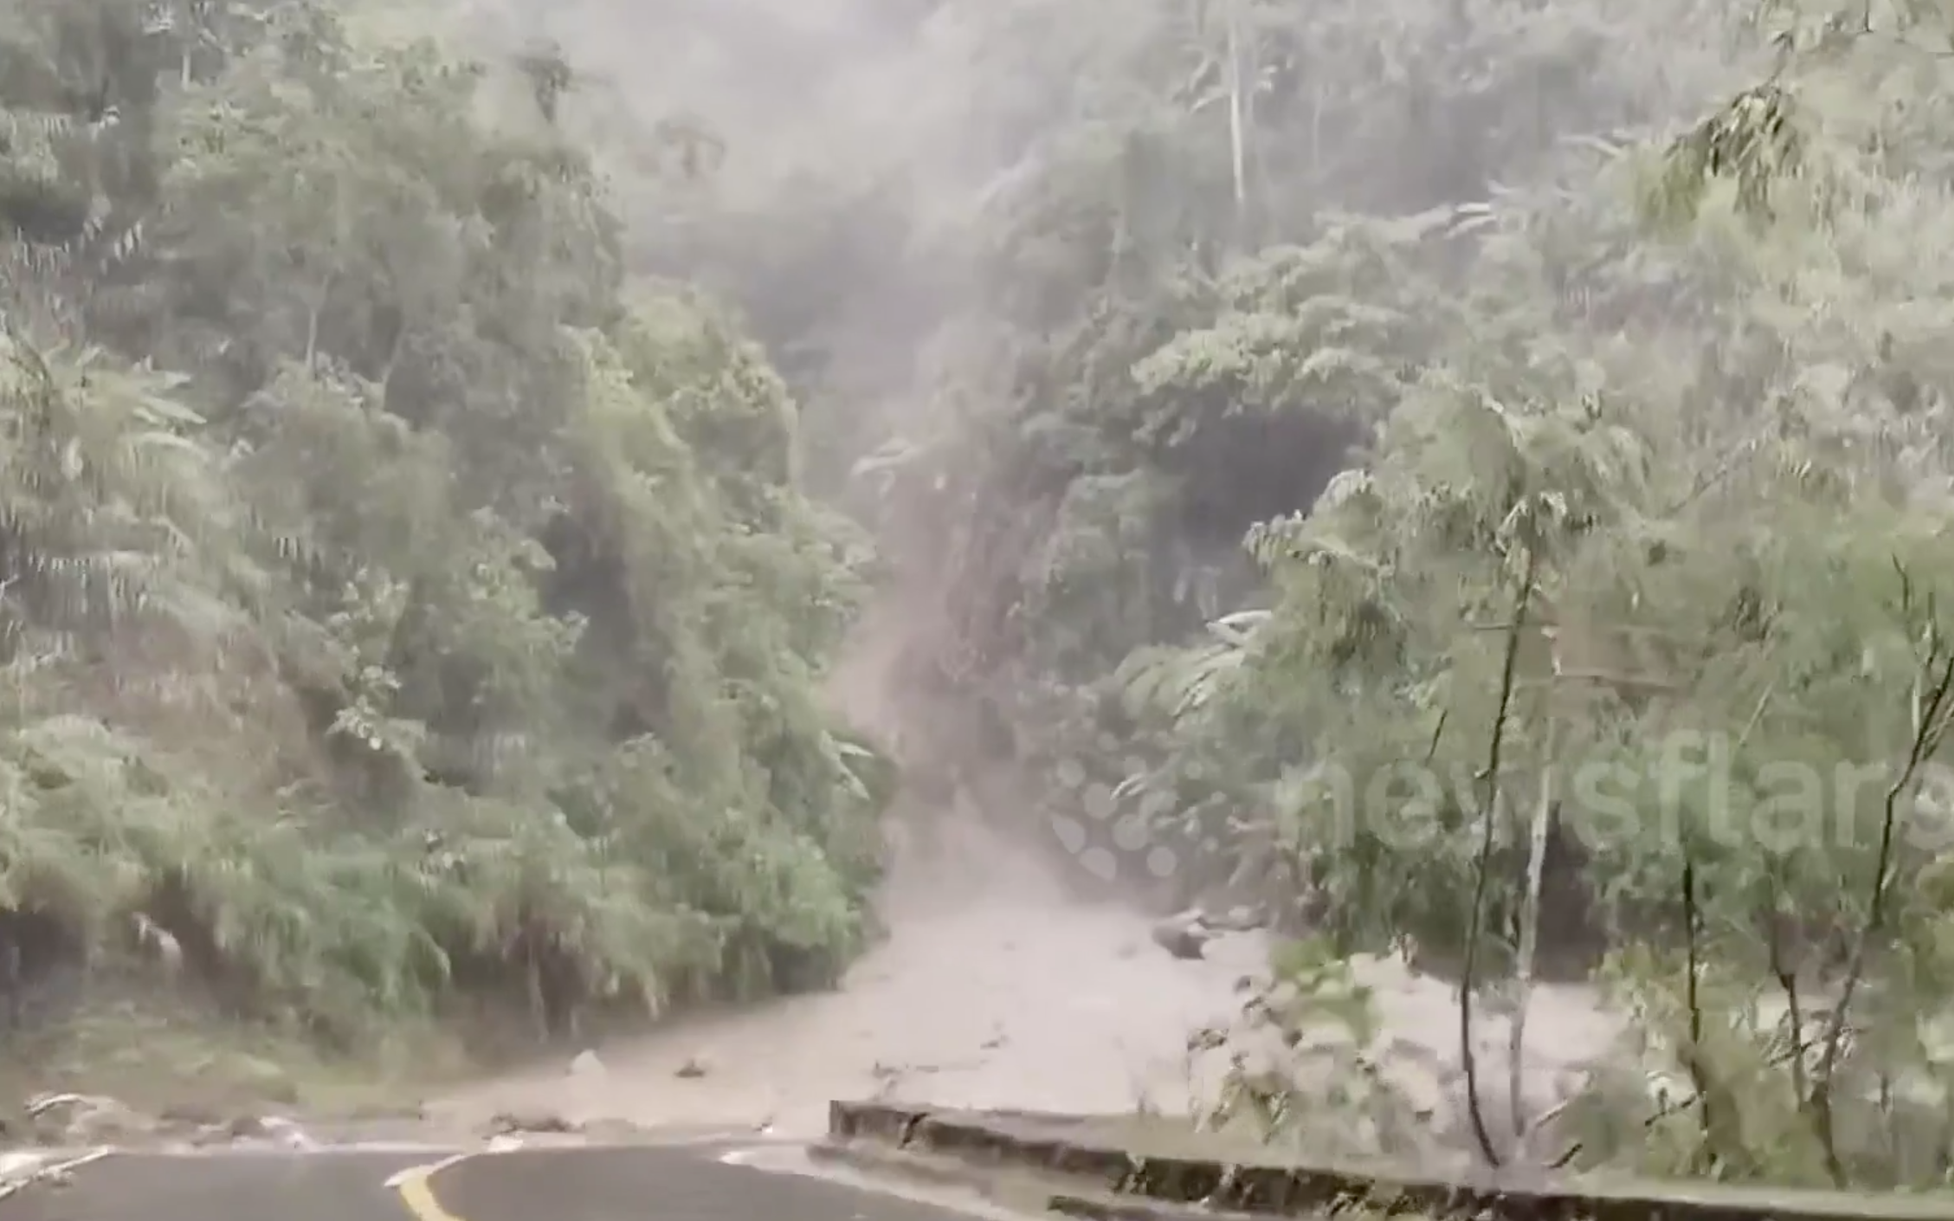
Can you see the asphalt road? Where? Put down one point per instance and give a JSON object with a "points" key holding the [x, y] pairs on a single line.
{"points": [[559, 1184]]}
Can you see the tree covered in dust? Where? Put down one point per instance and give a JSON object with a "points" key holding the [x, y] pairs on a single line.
{"points": [[1477, 471], [403, 605]]}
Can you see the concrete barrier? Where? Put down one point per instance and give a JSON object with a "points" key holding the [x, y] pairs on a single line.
{"points": [[1093, 1168], [1152, 1175]]}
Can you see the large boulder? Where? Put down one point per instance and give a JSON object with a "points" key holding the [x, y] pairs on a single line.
{"points": [[1185, 935]]}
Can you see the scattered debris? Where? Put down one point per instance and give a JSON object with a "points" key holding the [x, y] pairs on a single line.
{"points": [[1242, 919], [505, 1123], [694, 1067], [23, 1170], [44, 1103], [86, 1119], [1184, 936], [1187, 934], [608, 1130], [286, 1133]]}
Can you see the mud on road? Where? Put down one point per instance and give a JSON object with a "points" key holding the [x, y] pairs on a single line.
{"points": [[996, 989]]}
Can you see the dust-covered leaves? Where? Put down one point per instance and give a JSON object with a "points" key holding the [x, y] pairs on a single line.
{"points": [[443, 623]]}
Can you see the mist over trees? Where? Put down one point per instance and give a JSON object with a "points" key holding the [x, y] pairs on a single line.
{"points": [[446, 449], [401, 603], [1568, 371]]}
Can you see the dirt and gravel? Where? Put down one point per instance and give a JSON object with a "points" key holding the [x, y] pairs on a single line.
{"points": [[995, 989], [998, 987]]}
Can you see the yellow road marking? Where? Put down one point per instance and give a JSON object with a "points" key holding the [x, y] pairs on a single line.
{"points": [[412, 1186]]}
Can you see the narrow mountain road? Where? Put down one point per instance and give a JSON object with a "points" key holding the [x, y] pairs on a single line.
{"points": [[995, 990], [678, 1183]]}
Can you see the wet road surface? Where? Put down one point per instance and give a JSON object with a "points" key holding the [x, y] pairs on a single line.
{"points": [[634, 1183]]}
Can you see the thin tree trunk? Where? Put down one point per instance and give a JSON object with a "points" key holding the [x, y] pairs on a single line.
{"points": [[1489, 811], [1543, 819], [1237, 135]]}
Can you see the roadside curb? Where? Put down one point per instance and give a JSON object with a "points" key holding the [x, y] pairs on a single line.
{"points": [[921, 1169], [1114, 1182]]}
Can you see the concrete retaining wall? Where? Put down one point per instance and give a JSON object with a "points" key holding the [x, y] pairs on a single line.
{"points": [[1146, 1177]]}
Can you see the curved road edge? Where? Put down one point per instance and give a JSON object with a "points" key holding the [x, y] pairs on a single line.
{"points": [[717, 1177], [413, 1187], [696, 1182]]}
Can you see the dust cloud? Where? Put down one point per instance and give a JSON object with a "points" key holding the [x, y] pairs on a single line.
{"points": [[997, 985], [997, 988], [985, 994]]}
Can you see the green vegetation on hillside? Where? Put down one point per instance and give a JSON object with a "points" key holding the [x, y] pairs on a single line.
{"points": [[1475, 475], [398, 607], [1575, 376]]}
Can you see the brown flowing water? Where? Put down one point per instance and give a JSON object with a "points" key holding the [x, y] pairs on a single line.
{"points": [[997, 987]]}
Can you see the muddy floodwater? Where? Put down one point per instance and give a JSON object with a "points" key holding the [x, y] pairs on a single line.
{"points": [[994, 989]]}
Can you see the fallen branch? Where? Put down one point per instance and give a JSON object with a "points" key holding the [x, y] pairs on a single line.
{"points": [[56, 1172]]}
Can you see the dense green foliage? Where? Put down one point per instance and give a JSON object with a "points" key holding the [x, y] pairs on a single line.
{"points": [[1254, 403], [1630, 312], [398, 604]]}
